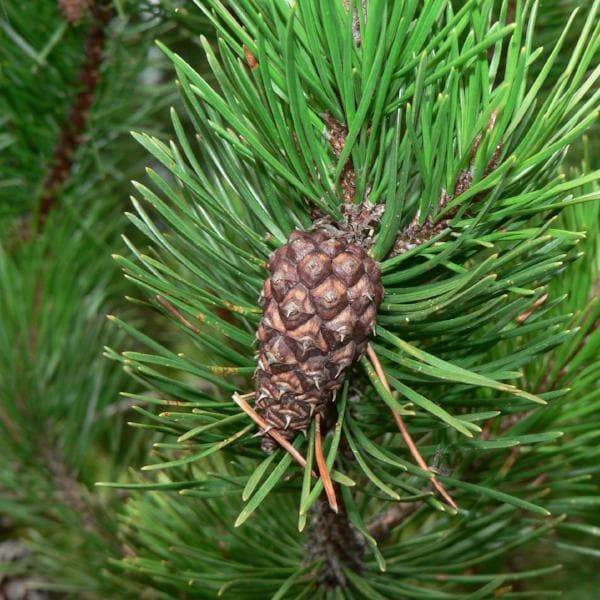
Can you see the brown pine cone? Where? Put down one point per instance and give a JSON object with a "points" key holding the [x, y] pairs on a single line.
{"points": [[320, 305]]}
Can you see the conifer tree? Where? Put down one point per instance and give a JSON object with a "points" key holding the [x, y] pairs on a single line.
{"points": [[414, 132], [362, 333], [67, 70]]}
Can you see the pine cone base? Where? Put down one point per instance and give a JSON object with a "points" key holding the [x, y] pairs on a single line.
{"points": [[319, 309]]}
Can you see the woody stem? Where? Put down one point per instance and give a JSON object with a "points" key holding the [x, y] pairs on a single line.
{"points": [[333, 540]]}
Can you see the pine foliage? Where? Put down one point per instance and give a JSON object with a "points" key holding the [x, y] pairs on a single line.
{"points": [[60, 428], [488, 351], [465, 122]]}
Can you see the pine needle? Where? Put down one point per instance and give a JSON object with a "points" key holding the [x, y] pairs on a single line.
{"points": [[323, 470], [404, 431]]}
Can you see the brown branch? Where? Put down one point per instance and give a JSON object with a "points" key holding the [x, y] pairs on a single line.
{"points": [[75, 125], [404, 430], [333, 539], [69, 489]]}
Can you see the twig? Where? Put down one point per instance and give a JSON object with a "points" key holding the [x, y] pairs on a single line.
{"points": [[404, 431], [74, 127], [323, 470], [334, 543], [241, 402]]}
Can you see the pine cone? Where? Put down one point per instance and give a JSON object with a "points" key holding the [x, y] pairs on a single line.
{"points": [[320, 305]]}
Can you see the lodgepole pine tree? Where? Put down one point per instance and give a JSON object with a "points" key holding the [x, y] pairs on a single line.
{"points": [[357, 338], [383, 273]]}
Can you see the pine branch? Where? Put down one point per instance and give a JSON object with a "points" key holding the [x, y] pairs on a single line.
{"points": [[74, 127], [333, 539], [300, 130], [57, 286]]}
